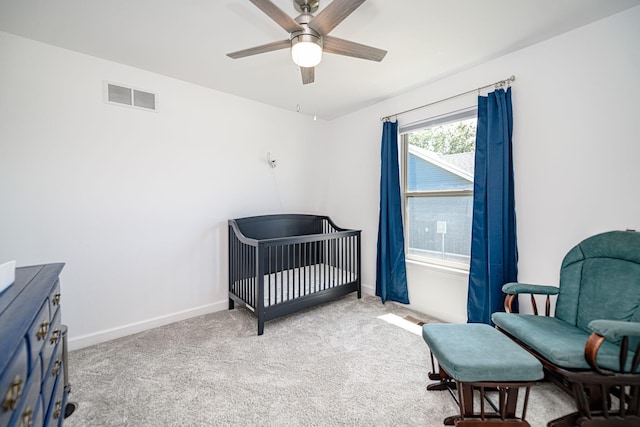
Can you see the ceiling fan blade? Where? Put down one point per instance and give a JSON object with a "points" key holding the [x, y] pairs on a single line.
{"points": [[308, 75], [275, 13], [356, 50], [284, 44], [333, 14]]}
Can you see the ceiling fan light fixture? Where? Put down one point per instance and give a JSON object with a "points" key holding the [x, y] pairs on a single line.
{"points": [[306, 50]]}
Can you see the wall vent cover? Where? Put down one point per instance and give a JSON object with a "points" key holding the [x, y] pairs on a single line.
{"points": [[130, 97]]}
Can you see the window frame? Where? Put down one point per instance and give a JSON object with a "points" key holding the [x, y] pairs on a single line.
{"points": [[452, 117]]}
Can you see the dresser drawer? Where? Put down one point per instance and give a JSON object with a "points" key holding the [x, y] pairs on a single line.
{"points": [[54, 336], [54, 297], [27, 410], [37, 334], [55, 411], [38, 413], [12, 383], [51, 373]]}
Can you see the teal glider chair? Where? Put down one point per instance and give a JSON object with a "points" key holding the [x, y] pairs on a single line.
{"points": [[590, 347]]}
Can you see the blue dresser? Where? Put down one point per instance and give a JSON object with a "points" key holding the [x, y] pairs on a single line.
{"points": [[32, 387]]}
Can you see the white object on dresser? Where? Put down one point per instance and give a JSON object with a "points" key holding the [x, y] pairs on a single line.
{"points": [[7, 274]]}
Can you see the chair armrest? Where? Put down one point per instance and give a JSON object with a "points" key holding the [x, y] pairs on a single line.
{"points": [[513, 289], [615, 331]]}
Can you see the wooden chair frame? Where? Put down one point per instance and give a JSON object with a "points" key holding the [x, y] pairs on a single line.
{"points": [[595, 390]]}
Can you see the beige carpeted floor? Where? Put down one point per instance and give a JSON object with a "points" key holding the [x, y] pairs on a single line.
{"points": [[342, 363]]}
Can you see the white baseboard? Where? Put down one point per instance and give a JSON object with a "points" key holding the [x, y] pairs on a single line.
{"points": [[76, 343], [369, 290], [82, 341]]}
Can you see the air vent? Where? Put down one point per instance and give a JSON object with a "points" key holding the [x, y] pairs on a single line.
{"points": [[130, 97]]}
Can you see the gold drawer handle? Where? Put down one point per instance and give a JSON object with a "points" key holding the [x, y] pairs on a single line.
{"points": [[42, 332], [56, 368], [27, 418], [13, 395], [54, 336], [56, 299], [58, 409]]}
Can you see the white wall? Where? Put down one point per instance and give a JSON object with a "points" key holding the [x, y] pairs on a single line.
{"points": [[134, 202], [576, 152]]}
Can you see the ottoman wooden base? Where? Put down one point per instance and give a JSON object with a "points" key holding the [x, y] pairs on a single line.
{"points": [[479, 359], [504, 413]]}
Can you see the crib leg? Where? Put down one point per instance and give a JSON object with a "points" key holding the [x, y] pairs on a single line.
{"points": [[260, 327], [231, 304]]}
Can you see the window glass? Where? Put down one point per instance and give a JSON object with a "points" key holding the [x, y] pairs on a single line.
{"points": [[438, 188]]}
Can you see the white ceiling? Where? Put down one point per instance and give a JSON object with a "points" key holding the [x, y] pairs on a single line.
{"points": [[188, 40]]}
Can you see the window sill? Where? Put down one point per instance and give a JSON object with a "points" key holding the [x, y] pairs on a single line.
{"points": [[461, 271]]}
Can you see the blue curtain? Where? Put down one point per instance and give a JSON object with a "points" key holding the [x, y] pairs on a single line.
{"points": [[494, 253], [391, 271]]}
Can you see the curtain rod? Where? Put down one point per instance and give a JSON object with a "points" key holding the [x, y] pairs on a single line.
{"points": [[497, 84]]}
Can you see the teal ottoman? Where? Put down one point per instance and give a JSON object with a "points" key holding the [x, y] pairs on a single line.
{"points": [[478, 357]]}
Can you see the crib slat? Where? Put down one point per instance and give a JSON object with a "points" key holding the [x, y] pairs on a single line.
{"points": [[315, 266], [325, 264], [305, 259], [300, 290], [321, 266], [280, 258], [288, 270], [247, 281], [238, 269], [347, 256], [345, 264], [253, 270], [290, 284], [269, 275], [304, 271], [286, 249], [245, 266], [339, 251], [345, 243], [334, 261], [275, 275], [349, 259]]}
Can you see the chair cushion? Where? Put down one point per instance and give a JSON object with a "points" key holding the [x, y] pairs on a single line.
{"points": [[600, 279], [556, 340], [477, 352]]}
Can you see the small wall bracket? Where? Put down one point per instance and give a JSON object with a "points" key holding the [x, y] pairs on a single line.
{"points": [[271, 160]]}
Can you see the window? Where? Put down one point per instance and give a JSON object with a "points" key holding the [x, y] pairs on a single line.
{"points": [[438, 158]]}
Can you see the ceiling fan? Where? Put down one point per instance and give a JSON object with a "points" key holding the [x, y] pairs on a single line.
{"points": [[308, 34]]}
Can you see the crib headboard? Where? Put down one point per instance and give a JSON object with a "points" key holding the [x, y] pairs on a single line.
{"points": [[289, 251], [275, 226]]}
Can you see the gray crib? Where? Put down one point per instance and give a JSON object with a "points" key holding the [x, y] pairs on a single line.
{"points": [[281, 264]]}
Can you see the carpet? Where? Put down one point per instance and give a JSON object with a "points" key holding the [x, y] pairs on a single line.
{"points": [[348, 362]]}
